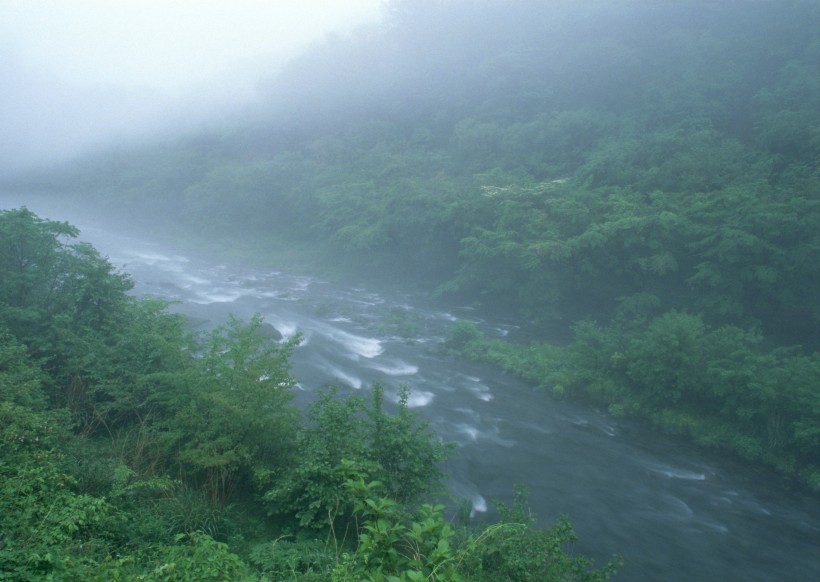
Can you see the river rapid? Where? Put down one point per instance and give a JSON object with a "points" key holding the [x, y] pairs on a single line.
{"points": [[673, 511]]}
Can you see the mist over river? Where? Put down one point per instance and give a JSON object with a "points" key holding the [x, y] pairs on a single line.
{"points": [[670, 509]]}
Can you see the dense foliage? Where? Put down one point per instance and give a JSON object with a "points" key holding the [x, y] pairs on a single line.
{"points": [[642, 173], [574, 157], [717, 385], [652, 167], [130, 450]]}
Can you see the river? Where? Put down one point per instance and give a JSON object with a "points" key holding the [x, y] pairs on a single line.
{"points": [[673, 511]]}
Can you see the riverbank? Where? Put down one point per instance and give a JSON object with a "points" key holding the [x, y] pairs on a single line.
{"points": [[719, 387], [684, 388]]}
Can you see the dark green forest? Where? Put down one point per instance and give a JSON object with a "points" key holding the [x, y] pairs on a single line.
{"points": [[638, 181]]}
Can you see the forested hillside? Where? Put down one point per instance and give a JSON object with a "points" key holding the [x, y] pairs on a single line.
{"points": [[648, 168]]}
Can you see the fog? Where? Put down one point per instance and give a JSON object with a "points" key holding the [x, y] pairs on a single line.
{"points": [[610, 205], [83, 74], [92, 74]]}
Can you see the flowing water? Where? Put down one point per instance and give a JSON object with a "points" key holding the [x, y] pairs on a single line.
{"points": [[671, 510]]}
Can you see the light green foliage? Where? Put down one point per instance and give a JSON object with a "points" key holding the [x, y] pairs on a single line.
{"points": [[356, 434], [48, 276], [309, 560], [248, 184], [111, 385], [69, 307], [229, 421], [735, 253], [718, 385], [46, 527], [462, 335], [45, 524], [196, 556], [397, 545], [85, 491], [32, 259], [536, 363], [664, 363], [311, 489], [406, 451], [515, 549], [193, 557], [121, 373], [20, 380], [661, 175], [246, 364]]}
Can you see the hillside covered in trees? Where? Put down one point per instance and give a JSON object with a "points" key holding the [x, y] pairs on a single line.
{"points": [[636, 182], [572, 160], [644, 174]]}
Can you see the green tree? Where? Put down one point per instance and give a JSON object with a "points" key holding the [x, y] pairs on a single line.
{"points": [[353, 434], [229, 421]]}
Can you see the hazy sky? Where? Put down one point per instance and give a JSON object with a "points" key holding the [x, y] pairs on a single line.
{"points": [[75, 72]]}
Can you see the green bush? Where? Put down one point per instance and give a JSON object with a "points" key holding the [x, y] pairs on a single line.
{"points": [[398, 450]]}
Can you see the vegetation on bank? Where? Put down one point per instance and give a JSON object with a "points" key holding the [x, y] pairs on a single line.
{"points": [[131, 450], [719, 385], [644, 173]]}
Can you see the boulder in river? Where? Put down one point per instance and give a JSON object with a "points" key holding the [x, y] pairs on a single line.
{"points": [[267, 331]]}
